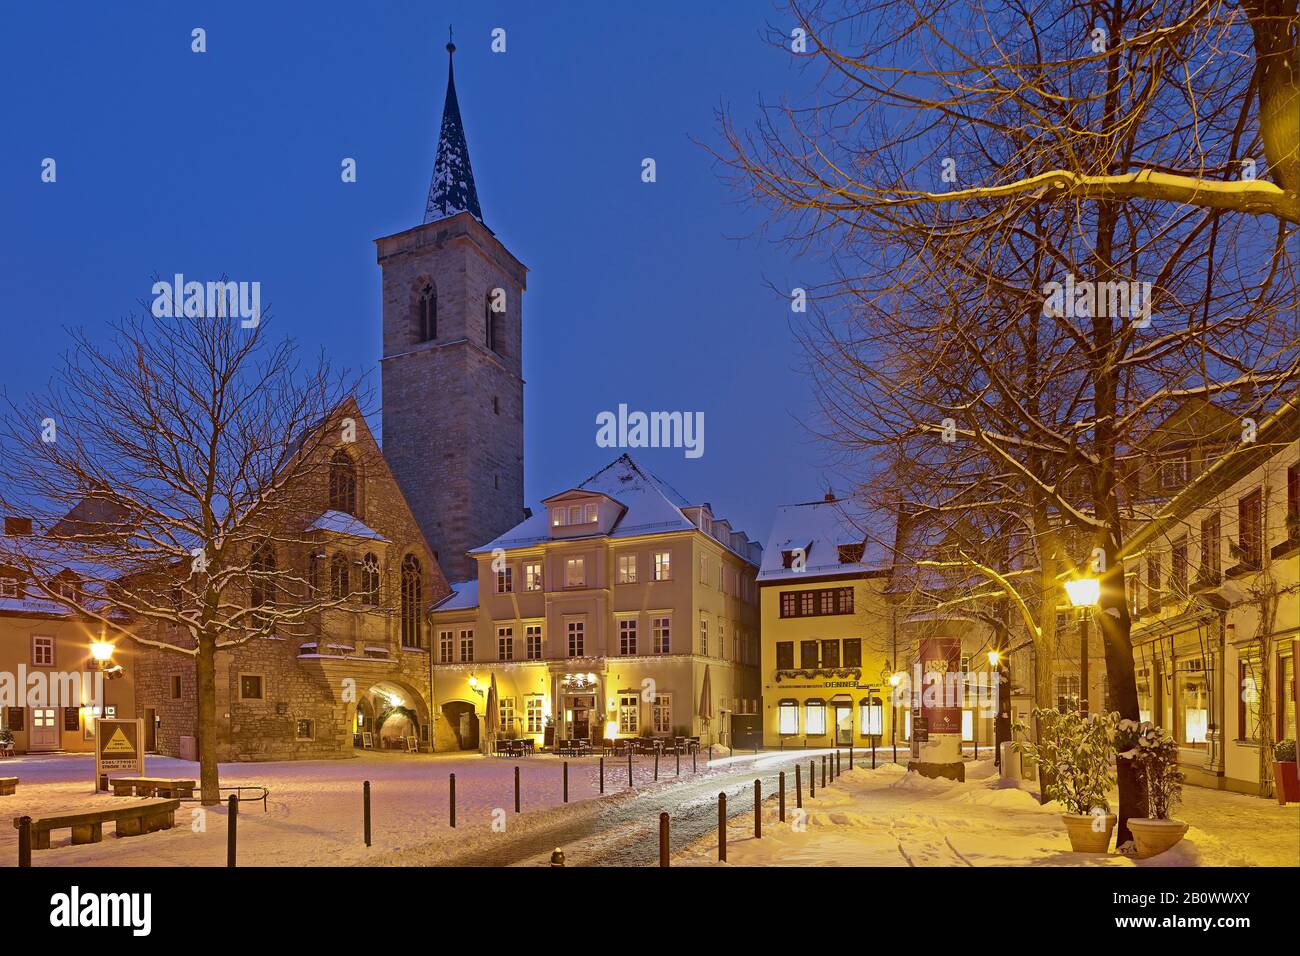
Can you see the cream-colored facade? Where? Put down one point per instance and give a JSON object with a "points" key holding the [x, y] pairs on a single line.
{"points": [[600, 617], [1214, 591], [41, 646]]}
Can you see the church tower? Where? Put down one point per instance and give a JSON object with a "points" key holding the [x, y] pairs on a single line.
{"points": [[451, 375]]}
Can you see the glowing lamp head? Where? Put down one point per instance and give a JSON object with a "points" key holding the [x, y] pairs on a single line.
{"points": [[473, 681], [895, 680], [1083, 592], [994, 657], [101, 651]]}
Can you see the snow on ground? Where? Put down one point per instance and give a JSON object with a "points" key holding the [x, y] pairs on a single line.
{"points": [[888, 817], [314, 814]]}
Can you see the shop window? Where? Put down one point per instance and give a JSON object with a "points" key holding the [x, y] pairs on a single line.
{"points": [[815, 717], [1191, 704], [788, 717]]}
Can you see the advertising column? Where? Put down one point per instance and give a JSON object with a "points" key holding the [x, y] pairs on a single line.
{"points": [[937, 689]]}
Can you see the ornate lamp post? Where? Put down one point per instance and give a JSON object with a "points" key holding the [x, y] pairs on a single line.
{"points": [[1084, 593]]}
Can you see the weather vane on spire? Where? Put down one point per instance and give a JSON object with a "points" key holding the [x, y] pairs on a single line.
{"points": [[451, 47]]}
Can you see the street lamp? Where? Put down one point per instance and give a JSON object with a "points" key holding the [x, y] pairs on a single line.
{"points": [[1084, 593], [102, 653], [894, 680]]}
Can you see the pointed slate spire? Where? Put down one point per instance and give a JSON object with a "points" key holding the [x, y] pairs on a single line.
{"points": [[452, 190]]}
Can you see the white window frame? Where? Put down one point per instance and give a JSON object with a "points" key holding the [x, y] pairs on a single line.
{"points": [[661, 634], [505, 643], [787, 718], [534, 648], [466, 643], [661, 714], [815, 717], [534, 714], [627, 636], [576, 638], [704, 636], [575, 572], [446, 647], [533, 576], [505, 580], [629, 714], [506, 711], [42, 642], [663, 566], [627, 569]]}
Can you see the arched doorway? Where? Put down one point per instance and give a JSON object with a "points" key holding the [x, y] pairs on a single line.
{"points": [[388, 716], [462, 723]]}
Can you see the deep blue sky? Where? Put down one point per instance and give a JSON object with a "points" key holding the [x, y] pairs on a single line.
{"points": [[228, 162]]}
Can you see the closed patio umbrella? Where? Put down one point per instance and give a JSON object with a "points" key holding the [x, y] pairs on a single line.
{"points": [[706, 701], [492, 719]]}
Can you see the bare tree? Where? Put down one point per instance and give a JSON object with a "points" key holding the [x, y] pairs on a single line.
{"points": [[172, 467], [1016, 331]]}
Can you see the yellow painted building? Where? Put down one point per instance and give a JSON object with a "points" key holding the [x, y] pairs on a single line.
{"points": [[42, 646], [827, 629], [601, 616]]}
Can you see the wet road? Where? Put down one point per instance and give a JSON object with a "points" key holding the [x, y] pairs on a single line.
{"points": [[623, 829]]}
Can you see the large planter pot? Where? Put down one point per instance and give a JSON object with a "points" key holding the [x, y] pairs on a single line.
{"points": [[1285, 783], [1083, 838], [1155, 836]]}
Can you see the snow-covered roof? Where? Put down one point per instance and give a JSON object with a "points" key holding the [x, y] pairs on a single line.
{"points": [[340, 522], [651, 506], [463, 597], [820, 528]]}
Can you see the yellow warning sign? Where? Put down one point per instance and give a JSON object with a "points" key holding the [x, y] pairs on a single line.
{"points": [[118, 744]]}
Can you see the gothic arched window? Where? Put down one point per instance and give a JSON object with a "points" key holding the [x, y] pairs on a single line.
{"points": [[426, 314], [370, 579], [339, 585], [343, 483], [412, 598], [489, 323], [261, 571]]}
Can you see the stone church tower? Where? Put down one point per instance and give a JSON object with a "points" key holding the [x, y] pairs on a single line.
{"points": [[452, 371]]}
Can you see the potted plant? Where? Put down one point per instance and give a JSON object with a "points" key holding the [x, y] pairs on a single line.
{"points": [[1155, 759], [1078, 755], [1284, 772]]}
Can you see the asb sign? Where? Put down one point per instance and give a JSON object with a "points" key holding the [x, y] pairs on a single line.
{"points": [[119, 746], [941, 686]]}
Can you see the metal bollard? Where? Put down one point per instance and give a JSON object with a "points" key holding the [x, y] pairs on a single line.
{"points": [[798, 788], [24, 825], [812, 779], [566, 781], [722, 828], [663, 838], [758, 809], [602, 774], [365, 803], [656, 764], [516, 789], [232, 821], [629, 770], [781, 797], [452, 795]]}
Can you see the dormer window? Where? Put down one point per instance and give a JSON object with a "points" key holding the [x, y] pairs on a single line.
{"points": [[1175, 472], [574, 515], [851, 553]]}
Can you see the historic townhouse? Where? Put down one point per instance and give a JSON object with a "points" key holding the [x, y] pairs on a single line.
{"points": [[619, 609], [827, 628], [1213, 589], [41, 637]]}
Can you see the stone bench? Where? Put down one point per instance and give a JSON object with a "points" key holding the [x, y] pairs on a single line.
{"points": [[144, 816], [8, 785], [151, 787]]}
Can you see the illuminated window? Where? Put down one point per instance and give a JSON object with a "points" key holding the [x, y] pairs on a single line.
{"points": [[533, 576], [1191, 702], [343, 483], [575, 573], [534, 714], [788, 717], [815, 718], [507, 710], [629, 714], [871, 717], [627, 569], [663, 566], [661, 714]]}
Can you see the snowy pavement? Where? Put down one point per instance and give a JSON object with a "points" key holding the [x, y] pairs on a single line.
{"points": [[889, 817], [314, 814]]}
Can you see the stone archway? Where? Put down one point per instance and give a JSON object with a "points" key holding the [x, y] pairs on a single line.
{"points": [[458, 729], [392, 712]]}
